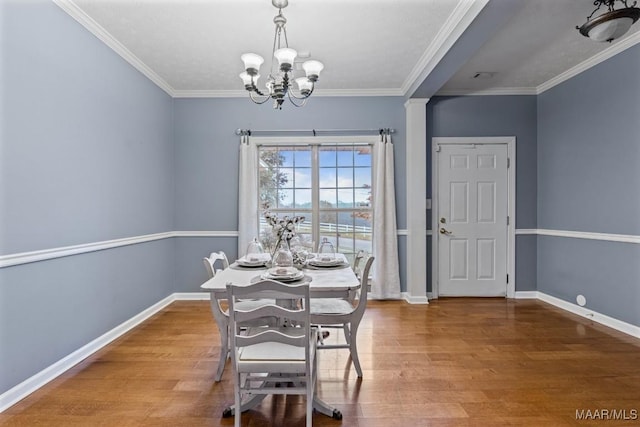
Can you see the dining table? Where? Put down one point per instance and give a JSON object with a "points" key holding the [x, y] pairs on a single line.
{"points": [[333, 280]]}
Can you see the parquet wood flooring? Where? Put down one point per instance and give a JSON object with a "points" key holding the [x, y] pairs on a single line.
{"points": [[454, 362]]}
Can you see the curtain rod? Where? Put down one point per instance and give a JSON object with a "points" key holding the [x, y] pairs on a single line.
{"points": [[314, 132]]}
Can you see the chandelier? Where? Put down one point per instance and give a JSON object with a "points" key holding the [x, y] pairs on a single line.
{"points": [[611, 24], [279, 83]]}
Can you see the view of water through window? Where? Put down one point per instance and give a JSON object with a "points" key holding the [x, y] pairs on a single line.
{"points": [[330, 185]]}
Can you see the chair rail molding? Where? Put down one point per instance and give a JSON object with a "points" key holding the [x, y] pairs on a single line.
{"points": [[63, 251]]}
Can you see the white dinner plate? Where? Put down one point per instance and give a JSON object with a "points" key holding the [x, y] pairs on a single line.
{"points": [[287, 274], [252, 261], [325, 262]]}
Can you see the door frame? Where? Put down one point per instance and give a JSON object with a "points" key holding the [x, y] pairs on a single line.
{"points": [[510, 142]]}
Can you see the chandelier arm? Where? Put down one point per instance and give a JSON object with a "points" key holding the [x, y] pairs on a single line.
{"points": [[291, 94], [255, 89], [257, 101], [291, 99]]}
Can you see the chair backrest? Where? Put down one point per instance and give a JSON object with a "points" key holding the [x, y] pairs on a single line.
{"points": [[360, 255], [261, 318], [211, 260], [364, 286]]}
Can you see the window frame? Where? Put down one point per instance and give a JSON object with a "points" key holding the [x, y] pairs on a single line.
{"points": [[328, 141]]}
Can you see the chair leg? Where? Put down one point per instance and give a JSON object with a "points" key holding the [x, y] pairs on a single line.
{"points": [[353, 349], [224, 351], [347, 333], [238, 399]]}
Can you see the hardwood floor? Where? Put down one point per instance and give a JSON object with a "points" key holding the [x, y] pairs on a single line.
{"points": [[455, 362]]}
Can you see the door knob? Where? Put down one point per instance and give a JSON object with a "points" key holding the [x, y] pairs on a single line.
{"points": [[446, 232]]}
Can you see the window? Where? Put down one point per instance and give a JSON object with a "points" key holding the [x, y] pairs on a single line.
{"points": [[328, 183]]}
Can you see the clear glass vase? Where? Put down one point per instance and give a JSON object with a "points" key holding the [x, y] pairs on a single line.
{"points": [[282, 257]]}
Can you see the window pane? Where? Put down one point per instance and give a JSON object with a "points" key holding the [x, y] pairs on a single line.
{"points": [[362, 177], [345, 156], [303, 198], [286, 178], [345, 198], [327, 156], [304, 232], [302, 177], [285, 199], [328, 227], [303, 158], [328, 198], [345, 177], [362, 197], [328, 177], [362, 156], [344, 193], [287, 157]]}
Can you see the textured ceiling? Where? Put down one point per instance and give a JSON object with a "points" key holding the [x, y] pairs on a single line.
{"points": [[369, 47], [539, 43]]}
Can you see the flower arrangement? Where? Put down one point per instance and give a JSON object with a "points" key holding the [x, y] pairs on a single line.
{"points": [[283, 229]]}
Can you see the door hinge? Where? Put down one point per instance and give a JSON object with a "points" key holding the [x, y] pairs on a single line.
{"points": [[507, 219], [508, 162], [438, 147], [507, 278]]}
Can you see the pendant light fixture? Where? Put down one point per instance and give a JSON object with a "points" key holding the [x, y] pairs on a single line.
{"points": [[279, 81], [612, 24]]}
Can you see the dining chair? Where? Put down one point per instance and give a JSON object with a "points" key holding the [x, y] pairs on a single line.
{"points": [[211, 261], [343, 313], [220, 313], [270, 359]]}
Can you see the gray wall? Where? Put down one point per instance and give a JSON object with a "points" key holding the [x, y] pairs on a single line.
{"points": [[87, 155], [469, 116], [588, 178], [206, 162]]}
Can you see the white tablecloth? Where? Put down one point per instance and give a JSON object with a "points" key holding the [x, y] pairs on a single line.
{"points": [[324, 282]]}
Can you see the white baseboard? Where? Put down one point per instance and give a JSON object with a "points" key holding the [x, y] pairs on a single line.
{"points": [[19, 392], [28, 386], [33, 383], [191, 296], [526, 295], [414, 300], [603, 319]]}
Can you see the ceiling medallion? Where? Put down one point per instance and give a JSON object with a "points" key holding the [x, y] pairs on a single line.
{"points": [[611, 24], [279, 83]]}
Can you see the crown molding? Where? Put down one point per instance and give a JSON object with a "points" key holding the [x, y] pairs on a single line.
{"points": [[210, 94], [500, 91], [103, 35], [461, 17], [615, 49], [316, 93]]}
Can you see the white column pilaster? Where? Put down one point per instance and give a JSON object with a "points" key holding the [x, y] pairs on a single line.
{"points": [[416, 117]]}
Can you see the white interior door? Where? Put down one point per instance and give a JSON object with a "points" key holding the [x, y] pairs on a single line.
{"points": [[472, 215]]}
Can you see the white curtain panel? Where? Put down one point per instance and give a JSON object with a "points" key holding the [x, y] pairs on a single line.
{"points": [[247, 194], [385, 278]]}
